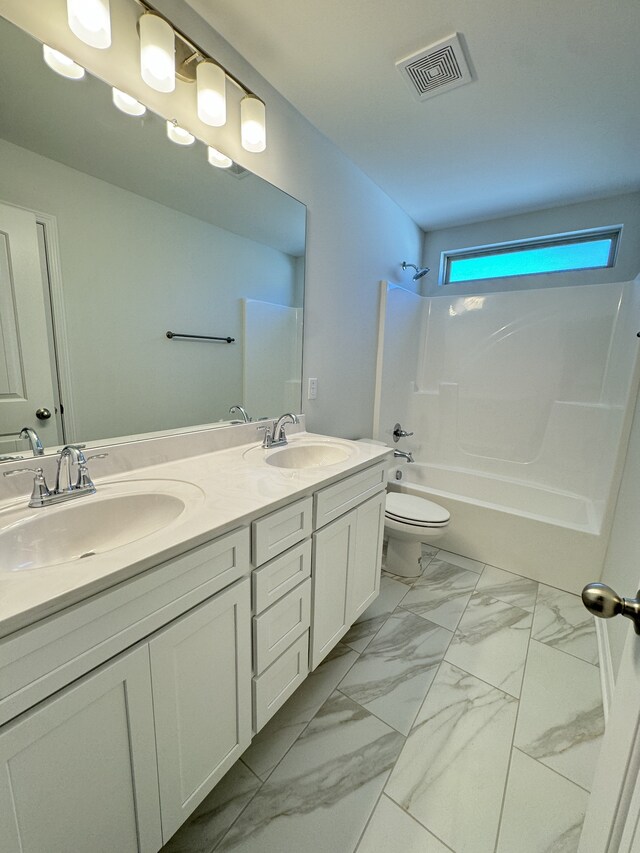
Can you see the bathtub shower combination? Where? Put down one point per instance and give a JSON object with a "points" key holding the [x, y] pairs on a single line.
{"points": [[521, 404]]}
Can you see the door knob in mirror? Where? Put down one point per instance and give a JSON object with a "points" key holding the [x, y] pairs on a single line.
{"points": [[43, 414]]}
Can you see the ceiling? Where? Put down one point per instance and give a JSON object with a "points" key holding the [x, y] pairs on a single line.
{"points": [[551, 117]]}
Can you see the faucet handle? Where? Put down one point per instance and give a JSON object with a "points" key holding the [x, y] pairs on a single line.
{"points": [[399, 433], [268, 436], [40, 488], [97, 456]]}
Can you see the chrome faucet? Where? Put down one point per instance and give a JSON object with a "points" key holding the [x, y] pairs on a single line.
{"points": [[403, 454], [34, 440], [278, 438], [243, 412], [42, 495]]}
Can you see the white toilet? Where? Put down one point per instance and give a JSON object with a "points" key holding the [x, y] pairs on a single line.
{"points": [[409, 521]]}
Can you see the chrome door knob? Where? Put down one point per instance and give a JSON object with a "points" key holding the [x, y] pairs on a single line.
{"points": [[43, 414], [605, 602]]}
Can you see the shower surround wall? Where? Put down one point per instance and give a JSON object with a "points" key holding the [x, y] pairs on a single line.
{"points": [[519, 404]]}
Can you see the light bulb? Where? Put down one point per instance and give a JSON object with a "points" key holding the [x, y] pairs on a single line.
{"points": [[90, 21], [157, 53], [252, 124], [61, 64], [217, 158], [179, 135], [212, 101], [127, 104]]}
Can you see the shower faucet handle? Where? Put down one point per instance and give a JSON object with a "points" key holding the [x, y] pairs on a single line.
{"points": [[399, 433]]}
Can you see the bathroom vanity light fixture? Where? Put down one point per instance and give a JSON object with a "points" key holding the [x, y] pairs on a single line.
{"points": [[90, 20], [157, 53], [218, 159], [165, 53], [127, 104], [61, 64], [253, 124], [178, 134]]}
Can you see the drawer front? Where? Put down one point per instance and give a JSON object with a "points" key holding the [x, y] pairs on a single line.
{"points": [[339, 498], [45, 657], [272, 689], [277, 628], [281, 575], [280, 530]]}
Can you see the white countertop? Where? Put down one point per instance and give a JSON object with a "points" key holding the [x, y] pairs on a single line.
{"points": [[232, 490]]}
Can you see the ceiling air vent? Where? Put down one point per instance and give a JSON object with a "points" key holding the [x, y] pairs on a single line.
{"points": [[436, 69]]}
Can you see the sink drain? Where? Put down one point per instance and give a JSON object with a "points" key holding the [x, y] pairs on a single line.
{"points": [[87, 554]]}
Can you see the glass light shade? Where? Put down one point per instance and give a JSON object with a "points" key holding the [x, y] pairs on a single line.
{"points": [[61, 64], [212, 99], [157, 53], [217, 158], [127, 104], [179, 135], [253, 124], [90, 20]]}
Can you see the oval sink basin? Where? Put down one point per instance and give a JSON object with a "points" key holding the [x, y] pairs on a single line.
{"points": [[118, 514], [307, 455]]}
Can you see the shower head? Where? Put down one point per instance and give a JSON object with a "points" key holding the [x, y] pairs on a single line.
{"points": [[419, 271]]}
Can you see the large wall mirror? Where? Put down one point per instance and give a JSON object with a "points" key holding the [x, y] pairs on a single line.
{"points": [[130, 236]]}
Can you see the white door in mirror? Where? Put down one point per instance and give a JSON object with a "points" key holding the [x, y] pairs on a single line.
{"points": [[25, 374]]}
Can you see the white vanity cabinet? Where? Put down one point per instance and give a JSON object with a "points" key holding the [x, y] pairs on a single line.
{"points": [[347, 553], [119, 714], [78, 772], [119, 758]]}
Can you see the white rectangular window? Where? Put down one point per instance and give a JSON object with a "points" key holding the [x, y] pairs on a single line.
{"points": [[580, 250]]}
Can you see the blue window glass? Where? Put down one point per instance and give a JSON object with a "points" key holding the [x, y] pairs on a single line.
{"points": [[532, 257]]}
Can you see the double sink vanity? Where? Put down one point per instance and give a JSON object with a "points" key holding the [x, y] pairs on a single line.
{"points": [[149, 630]]}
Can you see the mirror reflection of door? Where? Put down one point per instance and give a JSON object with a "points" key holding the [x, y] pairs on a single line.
{"points": [[26, 381]]}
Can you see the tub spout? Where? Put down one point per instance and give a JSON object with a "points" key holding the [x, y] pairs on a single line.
{"points": [[403, 454]]}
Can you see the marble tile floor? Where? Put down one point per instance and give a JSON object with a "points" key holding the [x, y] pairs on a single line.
{"points": [[461, 714]]}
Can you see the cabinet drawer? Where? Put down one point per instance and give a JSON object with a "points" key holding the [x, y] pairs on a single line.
{"points": [[284, 528], [272, 689], [279, 576], [339, 498], [276, 628], [41, 659]]}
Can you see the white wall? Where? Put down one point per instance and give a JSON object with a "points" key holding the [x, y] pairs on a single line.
{"points": [[616, 210], [131, 270], [355, 234]]}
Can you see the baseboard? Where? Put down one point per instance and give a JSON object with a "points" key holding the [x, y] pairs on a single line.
{"points": [[607, 678]]}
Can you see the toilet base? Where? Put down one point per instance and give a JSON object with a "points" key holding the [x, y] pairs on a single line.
{"points": [[403, 557]]}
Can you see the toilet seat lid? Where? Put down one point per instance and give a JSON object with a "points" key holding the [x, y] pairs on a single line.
{"points": [[413, 508]]}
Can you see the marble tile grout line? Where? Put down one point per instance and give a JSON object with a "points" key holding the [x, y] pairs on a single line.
{"points": [[417, 822], [515, 726]]}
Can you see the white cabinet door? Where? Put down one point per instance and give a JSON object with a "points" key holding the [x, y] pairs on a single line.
{"points": [[364, 573], [347, 554], [201, 673], [333, 554], [79, 770]]}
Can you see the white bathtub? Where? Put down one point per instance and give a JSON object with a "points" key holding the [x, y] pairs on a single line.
{"points": [[550, 536]]}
